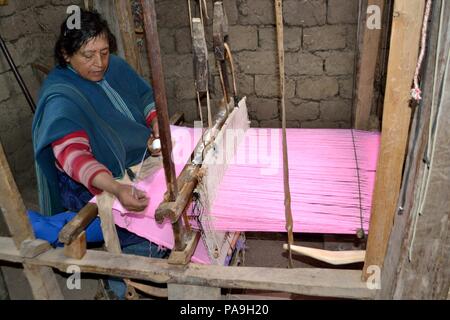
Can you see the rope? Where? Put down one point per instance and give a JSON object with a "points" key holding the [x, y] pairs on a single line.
{"points": [[416, 93], [360, 233], [287, 192]]}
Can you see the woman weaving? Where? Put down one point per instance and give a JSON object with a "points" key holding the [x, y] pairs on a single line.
{"points": [[94, 118]]}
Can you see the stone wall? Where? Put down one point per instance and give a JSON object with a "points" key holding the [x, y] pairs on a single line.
{"points": [[319, 42], [30, 28]]}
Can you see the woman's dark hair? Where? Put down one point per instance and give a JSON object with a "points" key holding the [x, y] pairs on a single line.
{"points": [[72, 39]]}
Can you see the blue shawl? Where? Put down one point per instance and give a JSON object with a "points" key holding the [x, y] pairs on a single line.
{"points": [[68, 103]]}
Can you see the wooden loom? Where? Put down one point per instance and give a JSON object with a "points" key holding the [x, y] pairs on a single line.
{"points": [[205, 281]]}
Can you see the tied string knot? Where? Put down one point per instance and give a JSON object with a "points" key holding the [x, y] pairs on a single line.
{"points": [[416, 94]]}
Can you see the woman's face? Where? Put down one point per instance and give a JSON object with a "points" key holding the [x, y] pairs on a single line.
{"points": [[92, 59]]}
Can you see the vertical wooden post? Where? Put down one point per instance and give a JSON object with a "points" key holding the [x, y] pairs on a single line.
{"points": [[414, 166], [154, 56], [219, 47], [42, 279], [407, 23], [367, 63], [426, 275], [105, 203], [12, 205], [126, 25]]}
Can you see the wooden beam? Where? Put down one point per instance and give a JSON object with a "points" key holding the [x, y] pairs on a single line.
{"points": [[77, 248], [150, 290], [75, 226], [105, 203], [406, 31], [219, 47], [200, 56], [12, 205], [154, 58], [125, 20], [306, 281], [177, 118], [328, 256], [427, 275], [41, 278], [367, 62], [184, 257], [414, 168], [419, 249], [33, 248]]}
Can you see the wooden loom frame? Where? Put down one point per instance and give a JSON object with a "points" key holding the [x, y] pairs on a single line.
{"points": [[192, 281]]}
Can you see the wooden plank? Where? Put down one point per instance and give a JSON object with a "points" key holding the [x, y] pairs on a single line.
{"points": [[200, 56], [219, 21], [218, 36], [125, 19], [177, 118], [154, 56], [427, 275], [308, 281], [41, 278], [105, 202], [183, 257], [407, 22], [189, 292], [367, 62], [43, 282], [75, 226], [414, 168], [328, 256], [107, 10], [77, 248], [42, 68], [8, 251], [422, 270], [150, 290], [12, 205]]}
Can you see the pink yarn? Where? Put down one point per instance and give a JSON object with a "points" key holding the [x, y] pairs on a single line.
{"points": [[323, 181]]}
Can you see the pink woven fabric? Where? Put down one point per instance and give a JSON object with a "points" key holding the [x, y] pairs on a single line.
{"points": [[323, 179]]}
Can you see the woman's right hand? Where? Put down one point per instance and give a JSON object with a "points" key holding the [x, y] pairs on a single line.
{"points": [[134, 201]]}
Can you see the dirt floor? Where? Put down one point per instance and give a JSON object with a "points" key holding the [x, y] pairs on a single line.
{"points": [[263, 250]]}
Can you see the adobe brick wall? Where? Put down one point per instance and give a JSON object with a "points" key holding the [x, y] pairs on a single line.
{"points": [[319, 59], [30, 29]]}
